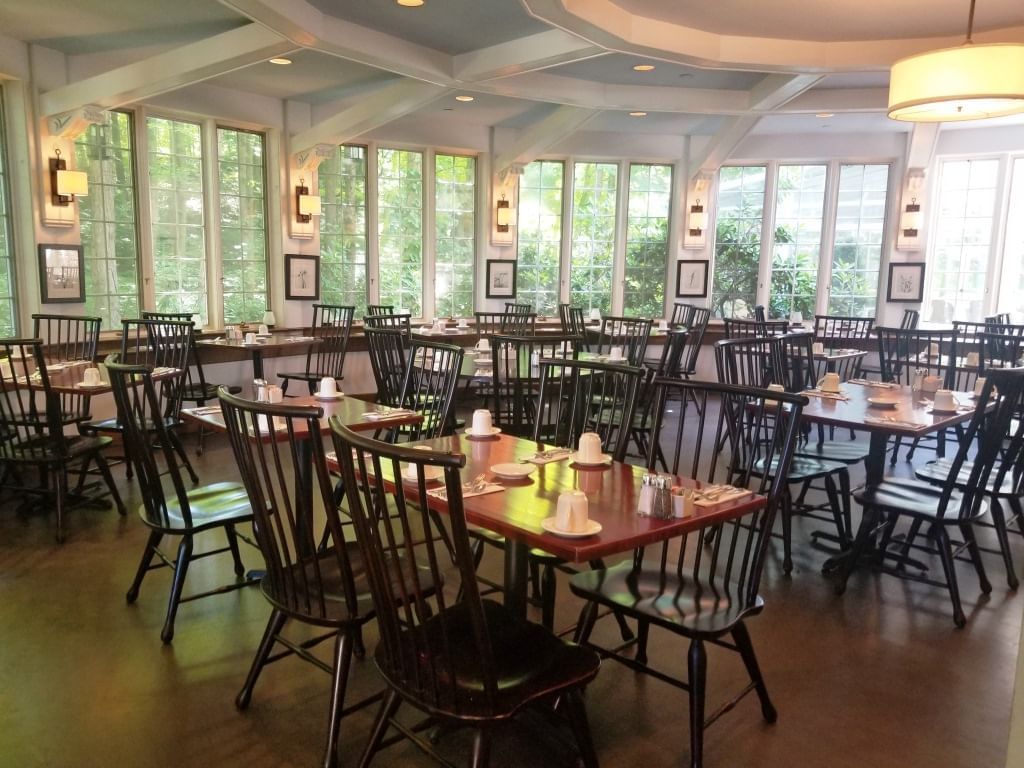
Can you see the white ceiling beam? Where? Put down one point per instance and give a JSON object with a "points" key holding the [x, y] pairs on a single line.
{"points": [[839, 100], [921, 144], [168, 71], [720, 147], [306, 26], [774, 91], [533, 52], [543, 135], [378, 108]]}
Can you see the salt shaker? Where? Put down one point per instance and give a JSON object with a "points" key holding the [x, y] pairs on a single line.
{"points": [[661, 507], [260, 385]]}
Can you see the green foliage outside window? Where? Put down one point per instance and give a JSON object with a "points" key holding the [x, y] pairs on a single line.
{"points": [[799, 208], [400, 228], [455, 225], [593, 236], [857, 253], [738, 240], [650, 196], [342, 186], [540, 235], [8, 313], [243, 234]]}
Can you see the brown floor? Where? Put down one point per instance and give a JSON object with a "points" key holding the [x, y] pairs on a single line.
{"points": [[879, 677]]}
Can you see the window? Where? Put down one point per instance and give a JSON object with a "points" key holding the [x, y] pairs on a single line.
{"points": [[857, 253], [962, 239], [738, 240], [540, 236], [176, 208], [593, 236], [107, 215], [650, 196], [8, 311], [400, 228], [455, 230], [796, 241], [342, 184], [243, 234]]}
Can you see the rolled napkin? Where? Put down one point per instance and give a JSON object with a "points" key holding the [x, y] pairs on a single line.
{"points": [[546, 457], [388, 413], [893, 422], [477, 490]]}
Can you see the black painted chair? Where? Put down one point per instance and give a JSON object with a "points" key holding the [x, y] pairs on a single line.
{"points": [[388, 351], [704, 585], [630, 333], [178, 512], [402, 322], [67, 339], [682, 314], [463, 662], [380, 309], [331, 326]]}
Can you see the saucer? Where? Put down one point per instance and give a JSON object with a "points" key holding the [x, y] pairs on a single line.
{"points": [[266, 335], [883, 402], [84, 385], [548, 524], [429, 475], [321, 396], [936, 409], [513, 471], [574, 457], [495, 431]]}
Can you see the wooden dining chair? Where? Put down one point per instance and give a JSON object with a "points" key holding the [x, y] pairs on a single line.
{"points": [[32, 436], [682, 314], [956, 504], [380, 309], [704, 585], [630, 333], [742, 328], [834, 330], [428, 387], [388, 352], [699, 319], [331, 327], [66, 339], [178, 512], [401, 322], [911, 317], [321, 584], [463, 662]]}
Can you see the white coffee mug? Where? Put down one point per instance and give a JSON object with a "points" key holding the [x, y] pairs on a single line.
{"points": [[440, 324], [463, 323], [484, 345], [409, 473], [563, 511], [328, 386], [933, 349], [264, 330], [5, 368], [931, 384], [818, 348], [776, 388], [663, 325], [796, 318], [972, 358], [979, 384], [595, 314], [830, 382], [615, 353], [274, 394], [580, 512], [481, 422], [91, 376], [250, 338], [944, 400], [589, 447]]}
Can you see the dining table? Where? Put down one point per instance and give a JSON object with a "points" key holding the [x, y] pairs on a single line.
{"points": [[277, 342]]}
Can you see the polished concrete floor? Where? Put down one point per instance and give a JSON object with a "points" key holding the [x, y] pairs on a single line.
{"points": [[879, 677]]}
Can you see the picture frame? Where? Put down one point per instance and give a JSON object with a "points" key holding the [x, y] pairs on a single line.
{"points": [[906, 282], [501, 279], [61, 273], [302, 276], [692, 278]]}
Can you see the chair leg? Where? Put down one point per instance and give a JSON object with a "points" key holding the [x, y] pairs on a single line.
{"points": [[867, 523], [844, 498], [576, 712], [643, 631], [481, 748], [742, 639], [967, 531], [274, 626], [585, 625], [183, 455], [999, 522], [697, 664], [147, 558], [836, 506], [61, 501], [547, 596], [895, 451], [180, 572], [946, 556], [387, 710], [339, 682], [233, 546], [108, 478], [787, 532], [284, 386]]}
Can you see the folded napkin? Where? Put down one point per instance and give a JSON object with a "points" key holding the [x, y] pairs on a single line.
{"points": [[206, 410], [824, 395], [389, 413], [879, 384], [892, 422], [476, 490], [162, 369], [546, 457]]}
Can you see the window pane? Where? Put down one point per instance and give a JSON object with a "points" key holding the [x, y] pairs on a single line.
{"points": [[176, 207], [109, 233], [8, 310], [796, 242], [400, 227], [1011, 285], [540, 235], [342, 179], [593, 235], [737, 240], [455, 228], [961, 242], [857, 254], [243, 235], [650, 200]]}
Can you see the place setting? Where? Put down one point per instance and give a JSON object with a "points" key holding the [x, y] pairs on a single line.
{"points": [[91, 379], [328, 389], [572, 517], [828, 388], [588, 453], [481, 427]]}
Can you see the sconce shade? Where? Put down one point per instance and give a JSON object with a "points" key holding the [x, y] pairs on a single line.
{"points": [[65, 184], [910, 221], [503, 215], [698, 220], [306, 205]]}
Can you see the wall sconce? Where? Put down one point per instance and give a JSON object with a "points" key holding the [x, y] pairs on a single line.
{"points": [[910, 221], [306, 205], [65, 184], [503, 215], [697, 220]]}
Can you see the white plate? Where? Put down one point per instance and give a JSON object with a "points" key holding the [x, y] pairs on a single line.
{"points": [[264, 335], [494, 431], [548, 524], [336, 396], [513, 471], [83, 385], [429, 475], [954, 409], [575, 459], [883, 402]]}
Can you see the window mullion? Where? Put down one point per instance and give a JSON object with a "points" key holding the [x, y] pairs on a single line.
{"points": [[764, 271], [211, 232], [372, 223], [428, 234], [828, 237], [565, 253], [619, 247], [143, 214]]}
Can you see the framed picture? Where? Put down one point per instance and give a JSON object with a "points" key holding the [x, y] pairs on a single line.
{"points": [[692, 277], [501, 279], [301, 276], [906, 282], [61, 268]]}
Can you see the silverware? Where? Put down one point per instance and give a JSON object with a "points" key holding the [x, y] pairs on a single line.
{"points": [[552, 453]]}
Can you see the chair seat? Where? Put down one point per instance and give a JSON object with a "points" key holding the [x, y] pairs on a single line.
{"points": [[113, 425], [937, 471], [910, 497], [662, 599], [211, 505], [529, 663], [846, 452], [803, 468], [43, 450]]}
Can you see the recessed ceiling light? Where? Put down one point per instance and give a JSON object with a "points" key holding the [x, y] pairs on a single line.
{"points": [[638, 114], [643, 67], [825, 114], [411, 3], [280, 60], [464, 98]]}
